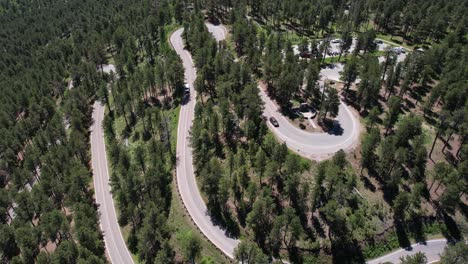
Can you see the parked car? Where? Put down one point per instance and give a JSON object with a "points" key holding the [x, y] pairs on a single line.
{"points": [[274, 122], [396, 50], [305, 54], [304, 107], [399, 50], [378, 41], [336, 41], [298, 113], [186, 88], [314, 113]]}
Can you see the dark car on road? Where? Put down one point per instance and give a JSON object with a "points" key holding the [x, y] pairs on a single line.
{"points": [[274, 122]]}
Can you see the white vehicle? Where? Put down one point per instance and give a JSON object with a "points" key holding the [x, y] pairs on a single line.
{"points": [[187, 88], [399, 50], [336, 41]]}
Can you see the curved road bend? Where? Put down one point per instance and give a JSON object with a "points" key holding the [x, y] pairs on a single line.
{"points": [[115, 244], [316, 146], [321, 144], [186, 181], [432, 249]]}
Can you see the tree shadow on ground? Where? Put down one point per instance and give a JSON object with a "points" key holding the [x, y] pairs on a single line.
{"points": [[419, 92], [452, 233], [368, 184], [389, 193], [416, 228], [214, 20], [350, 98], [294, 255], [318, 227], [346, 252], [402, 236], [450, 157], [463, 209]]}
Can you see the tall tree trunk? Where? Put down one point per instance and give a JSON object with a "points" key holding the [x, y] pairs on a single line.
{"points": [[433, 143], [447, 141], [125, 118], [430, 187], [389, 94], [385, 67]]}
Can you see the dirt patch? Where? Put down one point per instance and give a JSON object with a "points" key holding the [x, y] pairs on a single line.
{"points": [[306, 124]]}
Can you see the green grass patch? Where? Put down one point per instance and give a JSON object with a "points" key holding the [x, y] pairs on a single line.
{"points": [[382, 247], [174, 117], [289, 35], [125, 230], [391, 244], [181, 223], [125, 233], [395, 41], [168, 30]]}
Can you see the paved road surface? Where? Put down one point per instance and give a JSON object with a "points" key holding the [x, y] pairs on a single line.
{"points": [[319, 146], [308, 143], [315, 146], [218, 32], [186, 181], [115, 244], [432, 249]]}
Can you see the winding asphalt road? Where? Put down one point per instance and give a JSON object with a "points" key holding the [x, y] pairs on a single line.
{"points": [[316, 146], [308, 143], [186, 181], [432, 249], [115, 244], [319, 146]]}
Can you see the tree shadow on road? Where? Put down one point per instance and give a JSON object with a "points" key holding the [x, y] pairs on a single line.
{"points": [[332, 127], [226, 221], [402, 236]]}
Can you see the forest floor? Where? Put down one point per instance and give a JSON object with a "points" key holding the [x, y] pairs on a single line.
{"points": [[371, 190], [124, 229], [179, 221]]}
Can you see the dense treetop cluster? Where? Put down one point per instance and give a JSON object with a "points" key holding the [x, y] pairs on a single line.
{"points": [[412, 157]]}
